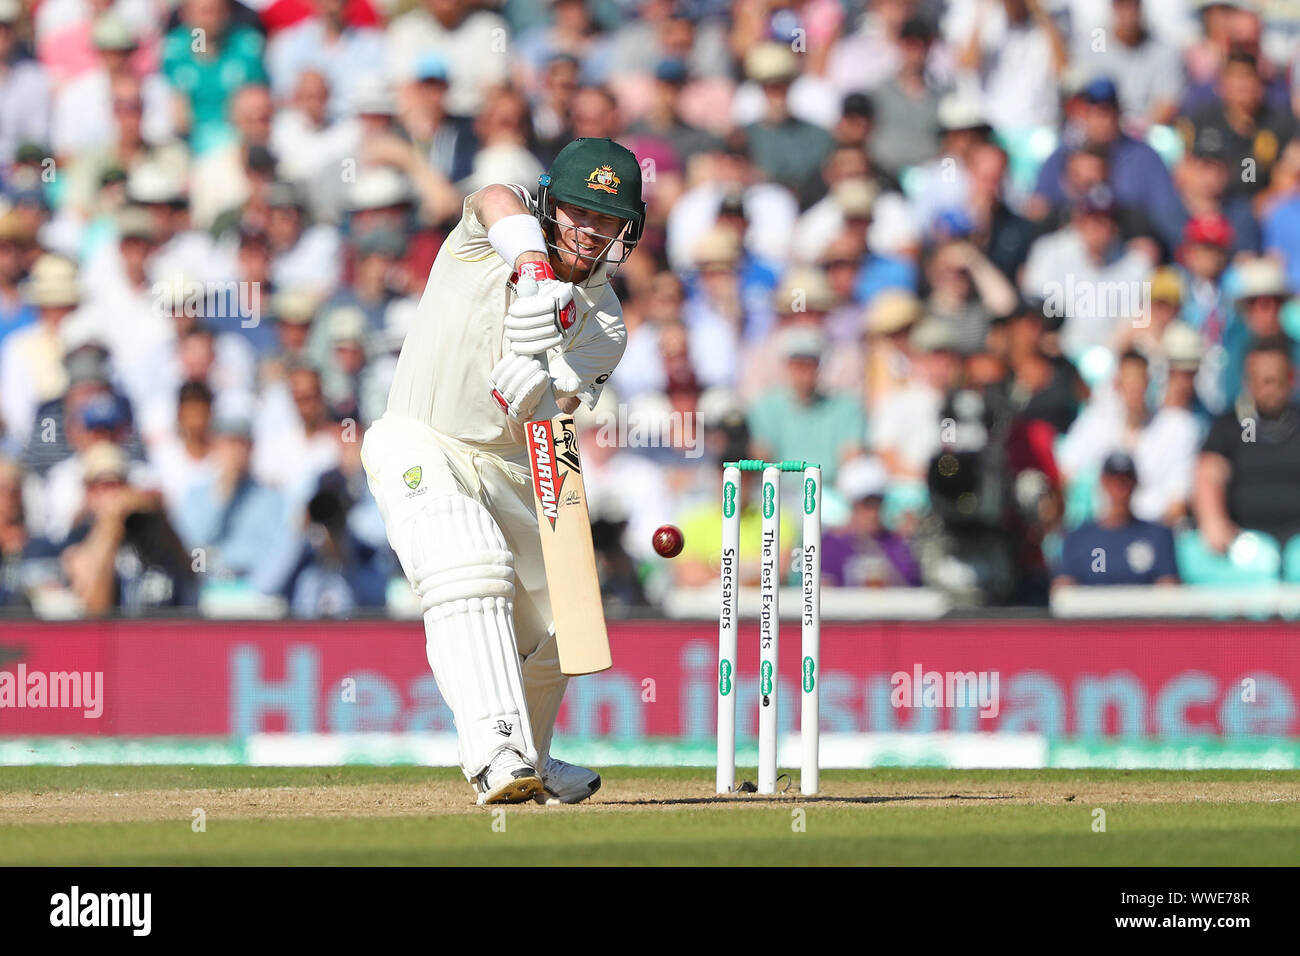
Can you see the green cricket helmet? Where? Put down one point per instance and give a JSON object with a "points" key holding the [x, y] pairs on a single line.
{"points": [[600, 175]]}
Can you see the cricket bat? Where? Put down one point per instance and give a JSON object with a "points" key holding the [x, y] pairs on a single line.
{"points": [[560, 496]]}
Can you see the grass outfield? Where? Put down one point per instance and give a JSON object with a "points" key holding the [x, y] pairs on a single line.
{"points": [[413, 815]]}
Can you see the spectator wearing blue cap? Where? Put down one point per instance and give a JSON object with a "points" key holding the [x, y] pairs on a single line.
{"points": [[445, 142], [570, 31], [663, 118], [102, 419], [467, 36], [1136, 174], [1118, 548]]}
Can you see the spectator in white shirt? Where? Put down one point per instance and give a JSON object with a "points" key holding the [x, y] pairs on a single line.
{"points": [[1084, 273], [84, 117]]}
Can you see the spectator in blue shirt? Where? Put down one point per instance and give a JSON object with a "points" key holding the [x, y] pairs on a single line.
{"points": [[1137, 174], [241, 524], [1118, 548]]}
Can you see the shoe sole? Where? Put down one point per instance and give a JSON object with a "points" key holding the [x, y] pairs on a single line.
{"points": [[516, 791]]}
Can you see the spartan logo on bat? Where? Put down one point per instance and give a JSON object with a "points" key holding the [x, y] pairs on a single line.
{"points": [[546, 484]]}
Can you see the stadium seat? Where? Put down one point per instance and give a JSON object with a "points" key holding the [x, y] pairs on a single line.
{"points": [[1081, 498], [1291, 319], [1167, 144], [1291, 561], [1253, 560], [902, 497], [1096, 365], [1027, 150]]}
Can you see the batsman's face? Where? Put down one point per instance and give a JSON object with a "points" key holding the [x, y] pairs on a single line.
{"points": [[583, 239]]}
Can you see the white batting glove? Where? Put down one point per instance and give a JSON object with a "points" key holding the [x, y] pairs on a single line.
{"points": [[518, 383], [543, 312]]}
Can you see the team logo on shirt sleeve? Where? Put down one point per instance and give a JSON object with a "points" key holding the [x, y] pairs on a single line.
{"points": [[412, 476]]}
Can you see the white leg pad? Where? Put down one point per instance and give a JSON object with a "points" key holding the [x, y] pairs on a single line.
{"points": [[464, 575]]}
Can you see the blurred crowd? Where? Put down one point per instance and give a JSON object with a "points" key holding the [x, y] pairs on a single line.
{"points": [[1019, 274]]}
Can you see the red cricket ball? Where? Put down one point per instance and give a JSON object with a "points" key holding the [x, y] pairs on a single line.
{"points": [[668, 541]]}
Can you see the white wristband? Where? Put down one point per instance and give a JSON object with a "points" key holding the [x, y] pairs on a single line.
{"points": [[514, 235]]}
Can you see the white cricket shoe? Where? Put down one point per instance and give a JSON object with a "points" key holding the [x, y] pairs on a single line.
{"points": [[507, 779], [566, 782]]}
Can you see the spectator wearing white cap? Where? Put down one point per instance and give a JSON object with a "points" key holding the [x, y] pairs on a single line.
{"points": [[796, 420], [809, 97], [888, 321], [122, 553], [130, 142], [31, 359], [864, 552], [845, 207], [1260, 291], [126, 317], [788, 149], [182, 250], [85, 110], [801, 302]]}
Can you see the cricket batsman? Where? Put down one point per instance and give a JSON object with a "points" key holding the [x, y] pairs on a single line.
{"points": [[518, 307]]}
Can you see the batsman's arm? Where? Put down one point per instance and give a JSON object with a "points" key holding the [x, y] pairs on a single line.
{"points": [[493, 204]]}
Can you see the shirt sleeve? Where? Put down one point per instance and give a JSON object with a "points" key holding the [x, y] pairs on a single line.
{"points": [[585, 367]]}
